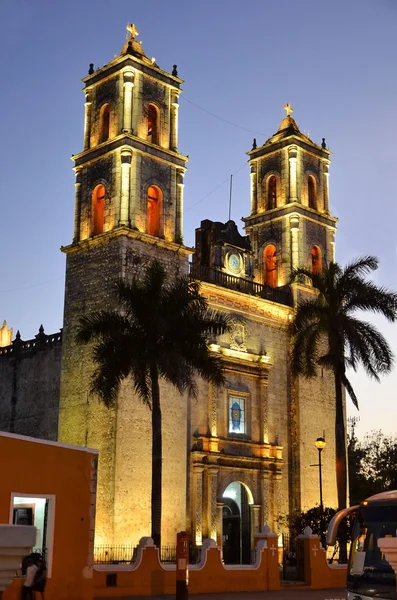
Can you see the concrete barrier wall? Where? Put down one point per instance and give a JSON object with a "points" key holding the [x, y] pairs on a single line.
{"points": [[147, 576], [318, 573]]}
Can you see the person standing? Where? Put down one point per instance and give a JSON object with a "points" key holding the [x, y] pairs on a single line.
{"points": [[40, 577], [27, 588]]}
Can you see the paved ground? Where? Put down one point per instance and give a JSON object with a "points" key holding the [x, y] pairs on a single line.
{"points": [[287, 594]]}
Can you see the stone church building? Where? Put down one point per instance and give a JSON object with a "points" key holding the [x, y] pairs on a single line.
{"points": [[235, 458]]}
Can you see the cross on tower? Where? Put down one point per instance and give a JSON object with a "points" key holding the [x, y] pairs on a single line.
{"points": [[315, 549], [288, 109], [133, 30]]}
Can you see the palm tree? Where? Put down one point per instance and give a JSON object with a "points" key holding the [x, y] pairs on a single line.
{"points": [[160, 330], [327, 332]]}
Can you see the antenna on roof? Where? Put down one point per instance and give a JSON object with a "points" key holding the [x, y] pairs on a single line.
{"points": [[230, 196]]}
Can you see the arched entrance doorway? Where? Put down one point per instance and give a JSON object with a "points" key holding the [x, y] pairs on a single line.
{"points": [[236, 525]]}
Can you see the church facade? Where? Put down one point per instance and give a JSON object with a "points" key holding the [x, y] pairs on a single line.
{"points": [[236, 458]]}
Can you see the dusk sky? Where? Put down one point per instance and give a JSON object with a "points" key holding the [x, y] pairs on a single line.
{"points": [[241, 62]]}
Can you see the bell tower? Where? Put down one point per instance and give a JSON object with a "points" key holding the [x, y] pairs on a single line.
{"points": [[128, 211], [290, 225], [130, 173]]}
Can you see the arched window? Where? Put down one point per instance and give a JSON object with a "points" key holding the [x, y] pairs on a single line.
{"points": [[104, 123], [272, 192], [270, 260], [98, 209], [154, 198], [152, 124], [311, 192], [317, 262]]}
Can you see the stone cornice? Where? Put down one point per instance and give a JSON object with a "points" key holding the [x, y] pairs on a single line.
{"points": [[132, 61], [272, 146], [135, 143], [104, 238], [272, 313], [304, 288], [287, 210], [243, 362], [247, 454]]}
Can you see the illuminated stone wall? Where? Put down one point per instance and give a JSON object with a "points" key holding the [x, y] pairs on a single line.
{"points": [[133, 466], [259, 459], [124, 448], [316, 417], [29, 386]]}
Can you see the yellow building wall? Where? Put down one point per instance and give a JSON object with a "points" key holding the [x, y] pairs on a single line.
{"points": [[31, 468]]}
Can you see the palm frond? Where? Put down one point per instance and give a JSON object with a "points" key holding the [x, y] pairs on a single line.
{"points": [[365, 295], [160, 319], [359, 267], [100, 324], [304, 351], [308, 311], [368, 347], [298, 274], [110, 370], [351, 342], [350, 390]]}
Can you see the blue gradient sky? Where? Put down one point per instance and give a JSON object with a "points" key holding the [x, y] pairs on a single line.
{"points": [[334, 61]]}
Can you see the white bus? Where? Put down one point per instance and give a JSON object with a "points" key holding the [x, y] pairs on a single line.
{"points": [[369, 575]]}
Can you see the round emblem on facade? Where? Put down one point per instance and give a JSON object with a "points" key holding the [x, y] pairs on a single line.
{"points": [[234, 262]]}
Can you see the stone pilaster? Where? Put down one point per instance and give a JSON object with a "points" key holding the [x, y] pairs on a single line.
{"points": [[180, 173], [277, 499], [87, 121], [77, 206], [219, 523], [139, 123], [255, 517], [294, 228], [174, 109], [126, 156], [254, 189], [292, 159], [212, 483], [326, 164], [197, 529], [265, 494], [213, 410], [264, 410], [331, 241], [127, 108]]}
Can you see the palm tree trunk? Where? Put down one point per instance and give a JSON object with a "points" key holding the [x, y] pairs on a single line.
{"points": [[156, 457], [340, 451]]}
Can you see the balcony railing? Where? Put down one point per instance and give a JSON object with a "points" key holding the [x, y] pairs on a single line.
{"points": [[281, 295]]}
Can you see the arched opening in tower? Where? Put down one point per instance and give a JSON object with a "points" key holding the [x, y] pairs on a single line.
{"points": [[272, 192], [317, 262], [98, 209], [270, 260], [152, 124], [104, 123], [154, 201], [311, 189]]}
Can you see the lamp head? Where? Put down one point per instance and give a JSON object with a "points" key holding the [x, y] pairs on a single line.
{"points": [[320, 443]]}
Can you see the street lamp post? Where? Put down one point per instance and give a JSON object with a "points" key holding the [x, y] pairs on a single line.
{"points": [[320, 444]]}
